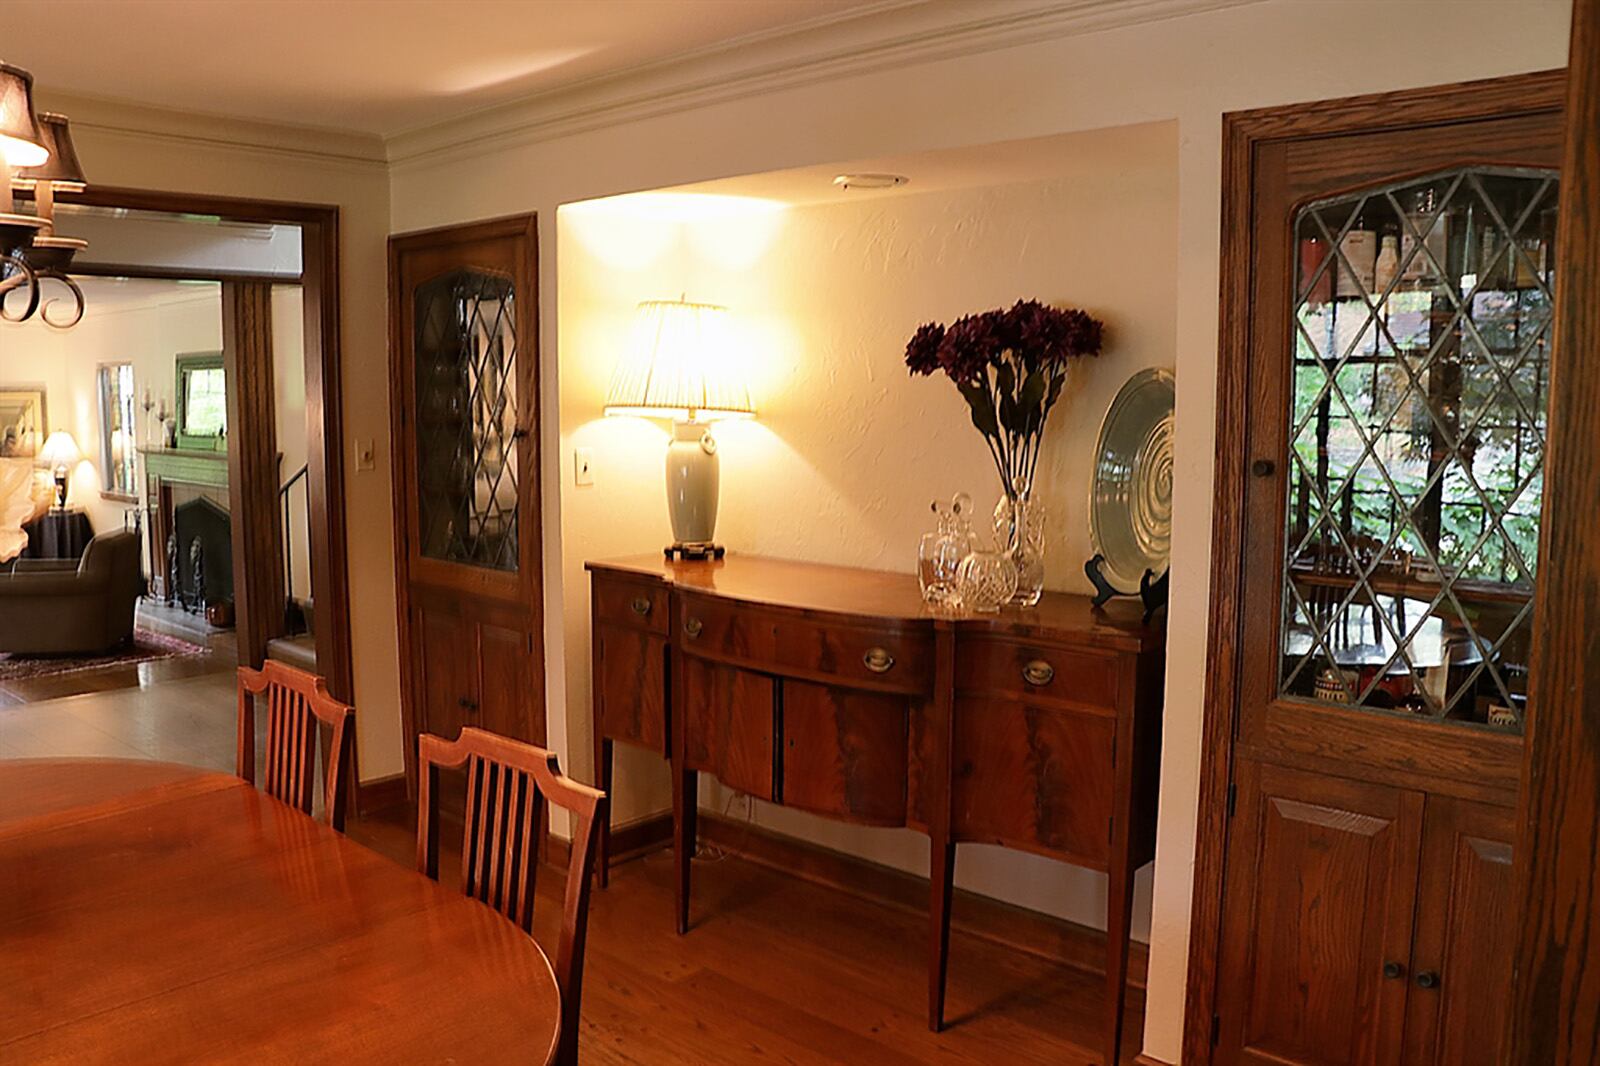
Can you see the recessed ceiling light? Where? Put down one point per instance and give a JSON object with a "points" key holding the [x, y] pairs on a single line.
{"points": [[870, 181]]}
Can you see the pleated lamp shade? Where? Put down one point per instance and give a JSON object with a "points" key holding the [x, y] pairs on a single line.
{"points": [[680, 365], [21, 143], [62, 169]]}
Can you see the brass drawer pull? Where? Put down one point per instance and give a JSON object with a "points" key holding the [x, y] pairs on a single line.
{"points": [[693, 626], [1038, 673], [641, 606], [878, 660]]}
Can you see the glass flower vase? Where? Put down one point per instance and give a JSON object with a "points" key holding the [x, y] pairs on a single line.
{"points": [[1019, 525], [988, 580]]}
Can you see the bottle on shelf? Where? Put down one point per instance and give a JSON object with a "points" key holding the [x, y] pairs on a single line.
{"points": [[1387, 265], [1313, 251], [1427, 227]]}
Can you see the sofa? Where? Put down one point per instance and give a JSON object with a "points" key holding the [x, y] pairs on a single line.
{"points": [[72, 607]]}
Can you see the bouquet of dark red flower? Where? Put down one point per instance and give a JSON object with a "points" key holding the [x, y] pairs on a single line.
{"points": [[1009, 365]]}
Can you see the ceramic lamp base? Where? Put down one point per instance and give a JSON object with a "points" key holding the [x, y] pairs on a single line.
{"points": [[693, 481]]}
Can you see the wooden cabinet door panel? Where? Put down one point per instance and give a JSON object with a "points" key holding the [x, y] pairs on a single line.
{"points": [[1465, 934], [1034, 777], [444, 650], [507, 702], [728, 720], [844, 753], [631, 685], [1320, 891]]}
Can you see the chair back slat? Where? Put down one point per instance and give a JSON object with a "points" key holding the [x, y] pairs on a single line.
{"points": [[297, 705], [508, 786]]}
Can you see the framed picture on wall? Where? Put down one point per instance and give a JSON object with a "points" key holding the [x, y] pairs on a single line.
{"points": [[22, 421]]}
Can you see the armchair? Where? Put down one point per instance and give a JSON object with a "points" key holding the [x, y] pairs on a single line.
{"points": [[50, 606]]}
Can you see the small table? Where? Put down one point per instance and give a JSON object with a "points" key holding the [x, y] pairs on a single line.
{"points": [[58, 534], [157, 913]]}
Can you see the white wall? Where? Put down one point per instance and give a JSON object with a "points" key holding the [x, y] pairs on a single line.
{"points": [[149, 334], [1191, 69], [289, 400], [848, 450]]}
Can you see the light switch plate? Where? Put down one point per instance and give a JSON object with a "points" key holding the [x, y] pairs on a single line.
{"points": [[366, 454], [583, 466]]}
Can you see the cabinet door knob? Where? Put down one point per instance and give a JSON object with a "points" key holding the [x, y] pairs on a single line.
{"points": [[1393, 970], [1263, 467], [641, 605], [1038, 673], [470, 706], [693, 626], [878, 660], [1427, 979]]}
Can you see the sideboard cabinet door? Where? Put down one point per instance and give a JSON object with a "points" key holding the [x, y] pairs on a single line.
{"points": [[1334, 865], [630, 679], [1034, 777], [729, 717], [844, 753]]}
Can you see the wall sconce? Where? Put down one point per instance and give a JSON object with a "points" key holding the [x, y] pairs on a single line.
{"points": [[680, 365]]}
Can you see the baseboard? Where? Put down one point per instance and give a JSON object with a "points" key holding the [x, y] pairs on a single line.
{"points": [[628, 841], [1018, 928], [1149, 1060], [380, 793]]}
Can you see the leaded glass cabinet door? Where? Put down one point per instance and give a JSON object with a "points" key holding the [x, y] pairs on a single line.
{"points": [[1399, 281], [465, 406], [1415, 470]]}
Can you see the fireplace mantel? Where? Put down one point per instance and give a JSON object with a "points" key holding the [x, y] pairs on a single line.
{"points": [[187, 466], [173, 475]]}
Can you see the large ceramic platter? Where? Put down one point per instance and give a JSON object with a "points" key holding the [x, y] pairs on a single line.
{"points": [[1130, 493]]}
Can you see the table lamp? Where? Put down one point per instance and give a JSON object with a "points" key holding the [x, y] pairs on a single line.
{"points": [[681, 366], [61, 454]]}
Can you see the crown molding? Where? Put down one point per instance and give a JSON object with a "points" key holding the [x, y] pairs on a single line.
{"points": [[304, 144], [882, 36]]}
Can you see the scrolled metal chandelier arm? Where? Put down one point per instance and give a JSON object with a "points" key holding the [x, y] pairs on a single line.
{"points": [[17, 274], [77, 295]]}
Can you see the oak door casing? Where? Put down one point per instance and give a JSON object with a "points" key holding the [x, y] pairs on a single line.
{"points": [[1331, 865]]}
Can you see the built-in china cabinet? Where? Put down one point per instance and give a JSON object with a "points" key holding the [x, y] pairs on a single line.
{"points": [[1388, 298]]}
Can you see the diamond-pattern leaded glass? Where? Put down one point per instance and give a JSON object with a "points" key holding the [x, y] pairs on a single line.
{"points": [[466, 362], [1421, 356]]}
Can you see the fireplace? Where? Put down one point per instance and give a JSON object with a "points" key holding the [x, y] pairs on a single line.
{"points": [[200, 553]]}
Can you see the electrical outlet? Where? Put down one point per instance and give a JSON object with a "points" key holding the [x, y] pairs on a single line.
{"points": [[366, 454], [583, 466]]}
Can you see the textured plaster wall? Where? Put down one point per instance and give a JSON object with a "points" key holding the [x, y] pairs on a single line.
{"points": [[848, 450]]}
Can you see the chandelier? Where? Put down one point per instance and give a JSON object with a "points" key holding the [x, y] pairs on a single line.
{"points": [[36, 154]]}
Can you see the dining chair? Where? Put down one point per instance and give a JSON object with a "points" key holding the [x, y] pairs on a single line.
{"points": [[297, 702], [508, 783]]}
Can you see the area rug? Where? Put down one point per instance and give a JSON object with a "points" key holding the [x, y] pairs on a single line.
{"points": [[147, 647]]}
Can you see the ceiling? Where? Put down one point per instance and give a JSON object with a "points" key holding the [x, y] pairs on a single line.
{"points": [[362, 66], [105, 295]]}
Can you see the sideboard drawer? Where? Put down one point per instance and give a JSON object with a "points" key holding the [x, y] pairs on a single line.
{"points": [[880, 657], [630, 689], [844, 753], [728, 721], [1035, 778], [638, 604], [1036, 673]]}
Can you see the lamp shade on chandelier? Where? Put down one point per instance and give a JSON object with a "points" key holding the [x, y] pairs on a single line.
{"points": [[36, 153]]}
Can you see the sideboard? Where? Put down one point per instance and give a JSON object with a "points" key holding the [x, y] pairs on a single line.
{"points": [[836, 691]]}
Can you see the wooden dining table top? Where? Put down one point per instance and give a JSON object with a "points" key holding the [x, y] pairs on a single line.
{"points": [[154, 913]]}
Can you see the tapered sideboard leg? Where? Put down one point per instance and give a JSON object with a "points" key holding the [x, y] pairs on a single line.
{"points": [[685, 797], [941, 885]]}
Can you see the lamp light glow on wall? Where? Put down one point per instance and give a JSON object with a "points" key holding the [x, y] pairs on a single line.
{"points": [[681, 365], [60, 453]]}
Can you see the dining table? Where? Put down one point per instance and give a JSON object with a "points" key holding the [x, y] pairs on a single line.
{"points": [[155, 913]]}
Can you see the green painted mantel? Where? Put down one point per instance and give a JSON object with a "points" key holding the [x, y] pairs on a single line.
{"points": [[188, 466]]}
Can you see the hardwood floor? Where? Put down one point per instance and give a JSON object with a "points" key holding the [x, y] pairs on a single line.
{"points": [[775, 969], [780, 970]]}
